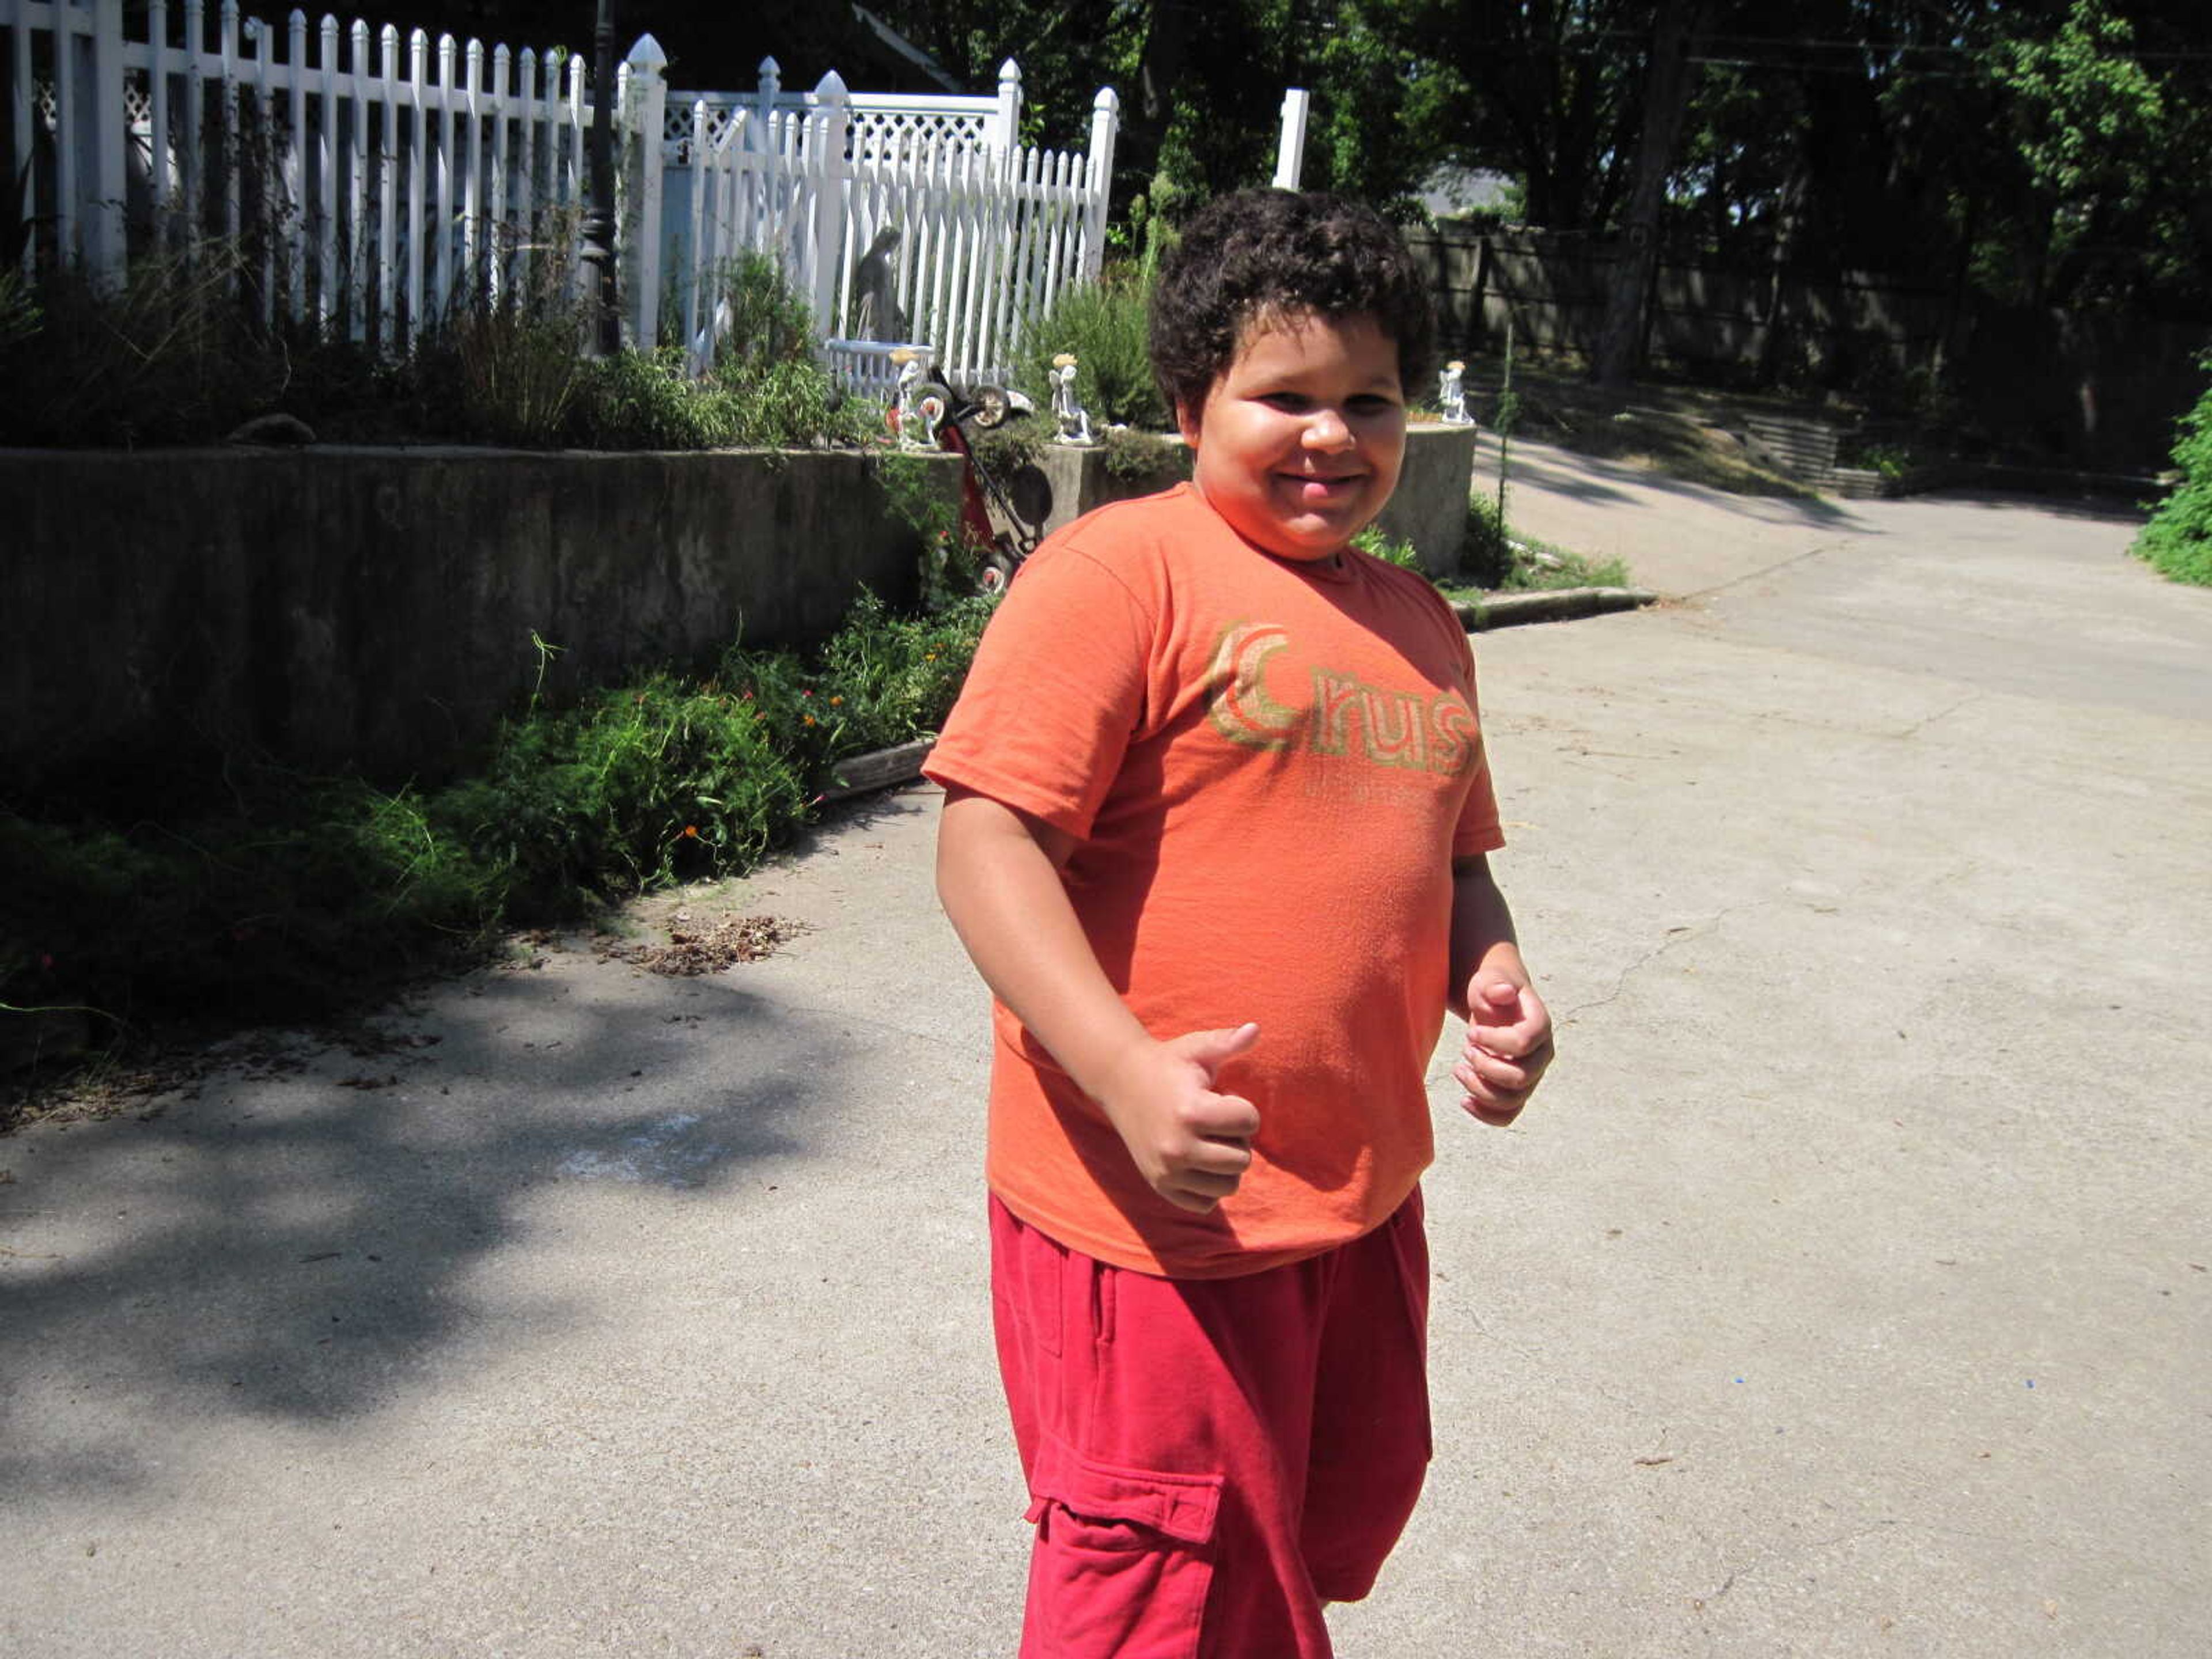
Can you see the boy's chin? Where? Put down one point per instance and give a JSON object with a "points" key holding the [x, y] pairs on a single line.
{"points": [[1310, 541]]}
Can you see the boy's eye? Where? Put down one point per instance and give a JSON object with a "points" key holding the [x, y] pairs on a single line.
{"points": [[1290, 403], [1372, 405]]}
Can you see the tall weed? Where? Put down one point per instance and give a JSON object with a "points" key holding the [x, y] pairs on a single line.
{"points": [[1104, 324]]}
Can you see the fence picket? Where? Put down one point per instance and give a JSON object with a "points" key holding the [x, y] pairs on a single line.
{"points": [[418, 56], [19, 100], [227, 57], [501, 269], [157, 93], [66, 124], [384, 316], [262, 102]]}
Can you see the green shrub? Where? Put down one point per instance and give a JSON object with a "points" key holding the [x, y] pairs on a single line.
{"points": [[1139, 456], [643, 400], [1390, 550], [768, 322], [253, 892], [172, 354], [1486, 555], [177, 355], [884, 679], [1103, 324], [2178, 541]]}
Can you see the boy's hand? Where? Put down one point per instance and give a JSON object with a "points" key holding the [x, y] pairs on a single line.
{"points": [[1191, 1145], [1509, 1044]]}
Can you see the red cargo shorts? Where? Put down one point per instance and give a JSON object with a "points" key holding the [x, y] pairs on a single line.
{"points": [[1210, 1460]]}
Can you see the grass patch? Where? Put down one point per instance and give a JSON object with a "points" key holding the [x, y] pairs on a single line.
{"points": [[1497, 559]]}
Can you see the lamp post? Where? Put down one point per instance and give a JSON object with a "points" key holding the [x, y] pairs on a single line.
{"points": [[604, 339]]}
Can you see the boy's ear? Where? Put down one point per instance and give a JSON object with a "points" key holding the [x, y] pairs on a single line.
{"points": [[1187, 423]]}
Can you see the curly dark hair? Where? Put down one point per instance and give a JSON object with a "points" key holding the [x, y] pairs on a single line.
{"points": [[1261, 252]]}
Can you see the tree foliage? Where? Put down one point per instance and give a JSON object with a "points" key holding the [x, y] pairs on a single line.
{"points": [[2036, 152], [2179, 537]]}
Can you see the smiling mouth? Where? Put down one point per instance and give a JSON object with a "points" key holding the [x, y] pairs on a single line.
{"points": [[1316, 488]]}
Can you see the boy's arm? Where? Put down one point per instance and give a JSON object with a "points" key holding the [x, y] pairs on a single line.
{"points": [[998, 876], [1509, 1036]]}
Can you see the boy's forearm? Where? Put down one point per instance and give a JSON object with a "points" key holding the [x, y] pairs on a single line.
{"points": [[1482, 934], [1000, 887]]}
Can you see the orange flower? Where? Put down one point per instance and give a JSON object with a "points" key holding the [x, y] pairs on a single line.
{"points": [[809, 719], [834, 701], [691, 832]]}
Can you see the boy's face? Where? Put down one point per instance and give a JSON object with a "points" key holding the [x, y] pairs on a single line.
{"points": [[1299, 440]]}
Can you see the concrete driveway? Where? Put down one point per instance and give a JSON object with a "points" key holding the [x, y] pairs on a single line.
{"points": [[1846, 1293]]}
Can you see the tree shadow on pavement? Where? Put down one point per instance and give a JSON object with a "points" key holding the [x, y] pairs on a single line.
{"points": [[299, 1244], [1589, 479]]}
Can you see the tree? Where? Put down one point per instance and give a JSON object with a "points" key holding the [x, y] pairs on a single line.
{"points": [[1666, 93]]}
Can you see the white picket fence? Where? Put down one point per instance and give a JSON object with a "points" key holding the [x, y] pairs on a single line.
{"points": [[381, 181], [988, 233]]}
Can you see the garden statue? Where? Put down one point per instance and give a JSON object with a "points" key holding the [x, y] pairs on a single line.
{"points": [[1452, 395], [910, 421], [1071, 419], [876, 313]]}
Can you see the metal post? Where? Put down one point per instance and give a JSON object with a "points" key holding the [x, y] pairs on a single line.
{"points": [[598, 250], [648, 90]]}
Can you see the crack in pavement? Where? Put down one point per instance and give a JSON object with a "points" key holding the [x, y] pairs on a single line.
{"points": [[1682, 935], [1927, 721], [1773, 1557], [1769, 570]]}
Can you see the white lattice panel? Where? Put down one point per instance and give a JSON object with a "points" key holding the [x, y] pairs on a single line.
{"points": [[871, 135], [896, 135]]}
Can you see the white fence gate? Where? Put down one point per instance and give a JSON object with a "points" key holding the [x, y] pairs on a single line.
{"points": [[379, 182], [981, 233]]}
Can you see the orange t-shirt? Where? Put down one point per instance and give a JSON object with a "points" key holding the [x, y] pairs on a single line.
{"points": [[1268, 767]]}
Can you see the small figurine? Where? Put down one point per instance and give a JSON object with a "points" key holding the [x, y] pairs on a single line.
{"points": [[909, 416], [1452, 395], [933, 414], [1069, 416]]}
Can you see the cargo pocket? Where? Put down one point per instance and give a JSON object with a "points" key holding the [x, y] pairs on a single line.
{"points": [[1123, 1561]]}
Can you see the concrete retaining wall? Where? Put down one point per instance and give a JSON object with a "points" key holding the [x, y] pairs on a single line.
{"points": [[373, 608]]}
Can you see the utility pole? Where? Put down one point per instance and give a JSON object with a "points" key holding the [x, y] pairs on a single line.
{"points": [[604, 339]]}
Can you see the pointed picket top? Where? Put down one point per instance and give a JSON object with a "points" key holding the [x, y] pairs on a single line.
{"points": [[1010, 73], [1107, 102], [647, 55], [831, 85]]}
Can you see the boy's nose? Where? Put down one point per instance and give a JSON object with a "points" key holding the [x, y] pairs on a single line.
{"points": [[1327, 430]]}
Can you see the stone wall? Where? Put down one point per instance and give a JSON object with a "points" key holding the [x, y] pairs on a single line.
{"points": [[374, 609]]}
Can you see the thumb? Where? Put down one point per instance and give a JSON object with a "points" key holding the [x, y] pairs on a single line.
{"points": [[1489, 994], [1214, 1050]]}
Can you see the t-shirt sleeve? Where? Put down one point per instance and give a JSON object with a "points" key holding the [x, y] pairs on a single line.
{"points": [[1056, 692]]}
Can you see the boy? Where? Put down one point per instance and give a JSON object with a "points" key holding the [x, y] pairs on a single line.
{"points": [[1216, 814]]}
